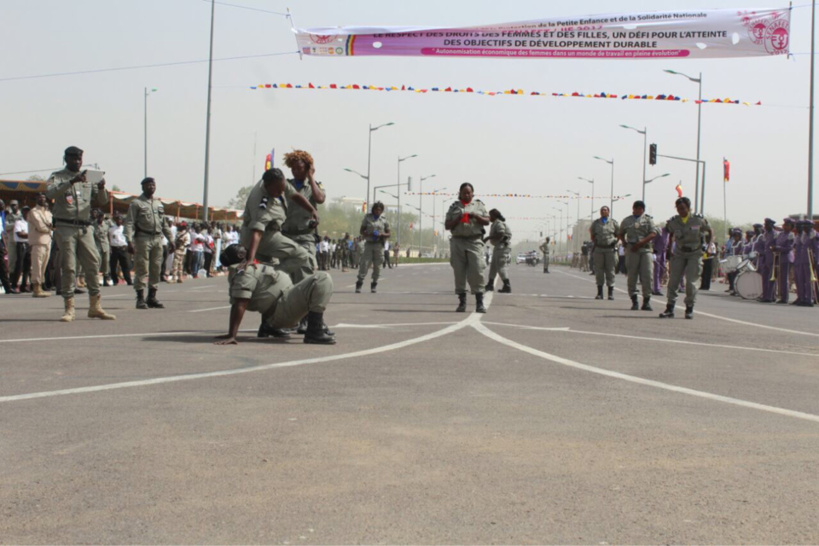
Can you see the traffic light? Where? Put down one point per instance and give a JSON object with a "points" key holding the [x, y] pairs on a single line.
{"points": [[652, 154]]}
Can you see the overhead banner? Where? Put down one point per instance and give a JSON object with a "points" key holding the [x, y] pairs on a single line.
{"points": [[694, 34]]}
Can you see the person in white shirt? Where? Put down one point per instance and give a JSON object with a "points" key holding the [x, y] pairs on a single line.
{"points": [[119, 251], [23, 264], [197, 250]]}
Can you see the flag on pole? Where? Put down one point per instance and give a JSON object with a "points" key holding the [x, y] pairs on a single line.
{"points": [[268, 162], [679, 190], [726, 170], [364, 207]]}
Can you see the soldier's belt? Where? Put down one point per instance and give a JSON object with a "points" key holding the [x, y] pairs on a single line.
{"points": [[606, 247], [299, 231], [77, 223]]}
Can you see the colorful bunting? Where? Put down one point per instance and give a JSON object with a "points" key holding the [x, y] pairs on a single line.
{"points": [[411, 89]]}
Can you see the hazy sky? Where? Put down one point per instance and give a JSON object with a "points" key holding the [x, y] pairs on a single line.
{"points": [[538, 145]]}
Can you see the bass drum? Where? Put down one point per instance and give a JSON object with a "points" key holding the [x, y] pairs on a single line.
{"points": [[749, 285], [731, 263]]}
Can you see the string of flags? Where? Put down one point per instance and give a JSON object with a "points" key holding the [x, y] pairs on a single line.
{"points": [[513, 91], [519, 195]]}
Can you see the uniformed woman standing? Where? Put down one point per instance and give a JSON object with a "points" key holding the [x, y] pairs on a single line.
{"points": [[687, 231], [374, 230], [499, 236], [466, 219]]}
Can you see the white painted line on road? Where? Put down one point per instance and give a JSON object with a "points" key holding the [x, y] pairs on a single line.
{"points": [[657, 339], [719, 317], [640, 381], [472, 319], [345, 325], [210, 309]]}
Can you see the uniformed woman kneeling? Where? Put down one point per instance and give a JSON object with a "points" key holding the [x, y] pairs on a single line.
{"points": [[259, 287], [466, 219]]}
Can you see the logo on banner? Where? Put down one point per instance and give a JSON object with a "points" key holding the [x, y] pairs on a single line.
{"points": [[321, 39], [777, 37]]}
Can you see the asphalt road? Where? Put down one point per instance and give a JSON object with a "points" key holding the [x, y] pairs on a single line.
{"points": [[554, 418]]}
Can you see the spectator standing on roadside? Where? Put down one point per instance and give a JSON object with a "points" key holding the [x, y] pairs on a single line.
{"points": [[39, 239]]}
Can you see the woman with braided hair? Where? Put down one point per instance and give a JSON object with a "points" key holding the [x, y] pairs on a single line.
{"points": [[466, 219], [300, 226]]}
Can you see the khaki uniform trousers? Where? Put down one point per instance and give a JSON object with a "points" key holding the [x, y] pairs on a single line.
{"points": [[311, 294], [498, 264], [639, 264], [77, 244], [11, 250], [605, 265], [468, 263], [39, 261], [308, 242], [147, 261], [293, 258], [373, 254], [178, 263], [105, 262], [689, 264]]}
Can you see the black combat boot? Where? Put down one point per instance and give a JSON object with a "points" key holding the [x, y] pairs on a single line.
{"points": [[634, 304], [152, 302], [358, 286], [689, 311], [302, 327], [479, 306], [106, 281], [315, 330], [372, 287], [461, 303], [265, 330], [668, 313], [490, 287], [646, 304], [140, 302], [599, 295], [611, 293], [507, 288]]}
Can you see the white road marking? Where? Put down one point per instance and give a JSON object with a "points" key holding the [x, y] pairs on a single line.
{"points": [[472, 319], [345, 325], [640, 381], [719, 317], [657, 339], [210, 309]]}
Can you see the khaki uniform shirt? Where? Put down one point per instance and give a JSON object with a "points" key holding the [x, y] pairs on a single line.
{"points": [[545, 249], [146, 217], [73, 201], [633, 230], [472, 228], [264, 212], [604, 235], [39, 226], [101, 235], [261, 284], [298, 219], [689, 236], [500, 234], [370, 226]]}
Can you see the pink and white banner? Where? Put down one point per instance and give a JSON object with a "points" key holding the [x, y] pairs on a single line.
{"points": [[684, 34]]}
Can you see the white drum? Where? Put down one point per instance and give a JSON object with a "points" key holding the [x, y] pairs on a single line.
{"points": [[730, 263], [746, 265], [748, 285]]}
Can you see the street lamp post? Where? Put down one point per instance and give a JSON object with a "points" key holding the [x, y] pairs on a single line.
{"points": [[698, 81], [560, 226], [207, 118], [577, 193], [145, 109], [398, 224], [434, 199], [644, 132], [421, 210], [567, 224], [590, 181], [611, 202], [370, 152]]}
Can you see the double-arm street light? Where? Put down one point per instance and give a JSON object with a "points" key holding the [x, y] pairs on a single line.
{"points": [[644, 132], [698, 81], [610, 162], [145, 109], [590, 181], [421, 208], [577, 193], [398, 186], [370, 152], [434, 199]]}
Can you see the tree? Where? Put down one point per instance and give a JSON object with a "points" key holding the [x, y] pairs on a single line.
{"points": [[239, 201], [35, 178]]}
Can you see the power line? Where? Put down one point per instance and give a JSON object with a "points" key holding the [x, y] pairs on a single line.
{"points": [[248, 8], [141, 66]]}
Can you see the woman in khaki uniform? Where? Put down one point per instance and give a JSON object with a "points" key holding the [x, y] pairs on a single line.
{"points": [[466, 219]]}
